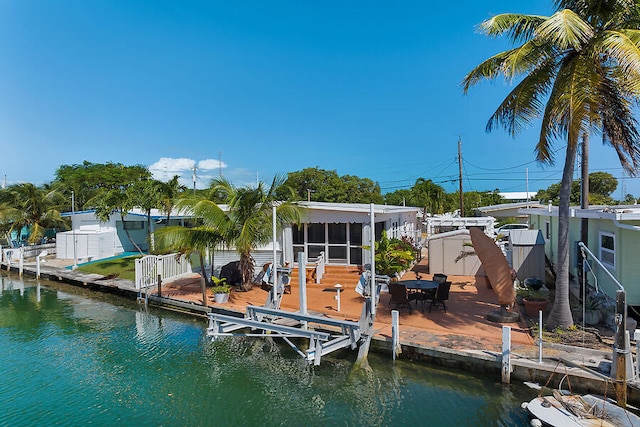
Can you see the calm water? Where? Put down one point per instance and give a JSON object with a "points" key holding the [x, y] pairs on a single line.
{"points": [[73, 357]]}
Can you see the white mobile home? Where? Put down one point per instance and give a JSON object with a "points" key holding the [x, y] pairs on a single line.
{"points": [[339, 230]]}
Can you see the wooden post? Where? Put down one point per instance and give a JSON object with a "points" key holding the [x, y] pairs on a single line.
{"points": [[159, 285]]}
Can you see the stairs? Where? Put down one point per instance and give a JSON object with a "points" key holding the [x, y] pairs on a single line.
{"points": [[346, 275]]}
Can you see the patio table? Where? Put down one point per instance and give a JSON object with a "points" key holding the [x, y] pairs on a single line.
{"points": [[420, 290]]}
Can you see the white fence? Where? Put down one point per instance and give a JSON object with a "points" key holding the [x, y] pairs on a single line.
{"points": [[167, 266]]}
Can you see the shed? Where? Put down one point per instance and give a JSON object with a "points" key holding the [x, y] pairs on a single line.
{"points": [[91, 243], [445, 248], [527, 253]]}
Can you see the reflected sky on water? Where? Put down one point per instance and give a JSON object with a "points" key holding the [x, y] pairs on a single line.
{"points": [[73, 357]]}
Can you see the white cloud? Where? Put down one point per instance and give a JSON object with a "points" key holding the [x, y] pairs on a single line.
{"points": [[165, 168], [211, 164], [169, 166]]}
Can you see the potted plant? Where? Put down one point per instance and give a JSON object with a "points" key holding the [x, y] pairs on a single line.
{"points": [[535, 296], [220, 290], [393, 256]]}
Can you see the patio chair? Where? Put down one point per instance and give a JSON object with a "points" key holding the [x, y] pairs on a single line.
{"points": [[440, 278], [399, 296], [441, 295]]}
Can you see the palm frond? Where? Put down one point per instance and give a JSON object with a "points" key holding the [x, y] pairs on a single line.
{"points": [[566, 30], [622, 47], [524, 103], [517, 27]]}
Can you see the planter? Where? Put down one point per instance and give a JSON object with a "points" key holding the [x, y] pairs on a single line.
{"points": [[221, 298], [531, 307]]}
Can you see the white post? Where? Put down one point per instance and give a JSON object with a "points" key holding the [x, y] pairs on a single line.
{"points": [[21, 267], [302, 282], [506, 354], [37, 267], [636, 337], [395, 333], [73, 231], [540, 336], [373, 260], [338, 287], [274, 266]]}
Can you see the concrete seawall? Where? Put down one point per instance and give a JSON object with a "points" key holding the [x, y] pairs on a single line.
{"points": [[525, 367]]}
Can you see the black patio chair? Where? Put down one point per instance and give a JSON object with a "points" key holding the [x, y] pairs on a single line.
{"points": [[441, 295], [399, 296]]}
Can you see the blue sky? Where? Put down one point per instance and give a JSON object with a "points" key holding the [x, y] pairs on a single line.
{"points": [[364, 88]]}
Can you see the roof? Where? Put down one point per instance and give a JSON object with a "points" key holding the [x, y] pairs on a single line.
{"points": [[509, 206], [357, 207], [526, 237], [518, 195], [614, 213], [157, 214]]}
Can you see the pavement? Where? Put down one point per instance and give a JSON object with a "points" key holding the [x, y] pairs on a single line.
{"points": [[463, 326]]}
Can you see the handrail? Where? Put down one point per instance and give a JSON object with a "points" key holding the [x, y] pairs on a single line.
{"points": [[584, 248]]}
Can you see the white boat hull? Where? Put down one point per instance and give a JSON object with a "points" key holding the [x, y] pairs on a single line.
{"points": [[580, 411]]}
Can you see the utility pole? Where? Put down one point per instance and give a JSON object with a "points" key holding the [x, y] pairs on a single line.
{"points": [[194, 178], [584, 197], [460, 175], [526, 171]]}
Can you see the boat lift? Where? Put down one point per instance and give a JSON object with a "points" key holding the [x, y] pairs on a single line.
{"points": [[330, 335]]}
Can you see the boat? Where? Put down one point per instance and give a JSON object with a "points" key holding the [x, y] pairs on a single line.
{"points": [[573, 410]]}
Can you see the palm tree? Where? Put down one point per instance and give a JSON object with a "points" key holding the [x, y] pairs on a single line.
{"points": [[580, 73], [243, 222], [169, 193], [189, 240], [109, 201], [26, 206]]}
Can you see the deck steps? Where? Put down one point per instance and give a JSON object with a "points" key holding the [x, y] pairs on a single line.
{"points": [[345, 275]]}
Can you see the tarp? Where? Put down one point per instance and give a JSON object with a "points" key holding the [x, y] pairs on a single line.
{"points": [[495, 265]]}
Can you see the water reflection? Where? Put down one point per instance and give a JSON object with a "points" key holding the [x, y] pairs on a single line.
{"points": [[112, 362]]}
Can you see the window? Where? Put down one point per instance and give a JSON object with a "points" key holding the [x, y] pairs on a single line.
{"points": [[608, 249], [133, 225], [315, 233], [298, 234], [547, 230]]}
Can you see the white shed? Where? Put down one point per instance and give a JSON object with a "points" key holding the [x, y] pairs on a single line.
{"points": [[91, 242], [445, 250]]}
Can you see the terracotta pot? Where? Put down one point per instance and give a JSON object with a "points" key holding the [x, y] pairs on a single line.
{"points": [[531, 307]]}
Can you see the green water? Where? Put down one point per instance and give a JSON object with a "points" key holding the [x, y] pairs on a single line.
{"points": [[72, 357]]}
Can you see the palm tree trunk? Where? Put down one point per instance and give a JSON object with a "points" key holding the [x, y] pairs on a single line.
{"points": [[203, 279], [126, 231], [560, 315], [246, 270]]}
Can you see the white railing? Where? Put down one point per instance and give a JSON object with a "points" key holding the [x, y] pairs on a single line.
{"points": [[320, 264], [10, 255], [167, 266]]}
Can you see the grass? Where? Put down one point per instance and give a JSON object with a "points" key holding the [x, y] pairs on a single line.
{"points": [[123, 268]]}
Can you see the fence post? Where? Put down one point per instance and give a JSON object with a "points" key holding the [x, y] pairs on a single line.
{"points": [[395, 333], [21, 261], [506, 354]]}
